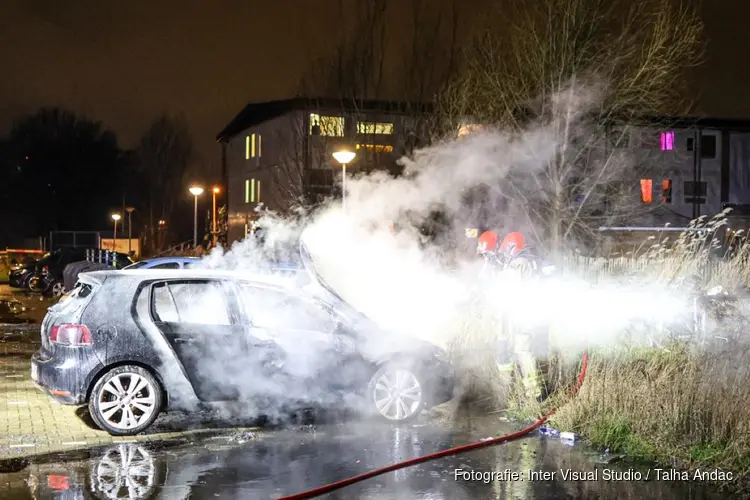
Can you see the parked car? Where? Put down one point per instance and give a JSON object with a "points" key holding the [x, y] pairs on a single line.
{"points": [[164, 263], [48, 272], [133, 343], [19, 275]]}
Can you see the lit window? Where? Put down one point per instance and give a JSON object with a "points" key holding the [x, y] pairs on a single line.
{"points": [[376, 148], [647, 191], [252, 146], [667, 140], [330, 126], [251, 187], [374, 128], [666, 191]]}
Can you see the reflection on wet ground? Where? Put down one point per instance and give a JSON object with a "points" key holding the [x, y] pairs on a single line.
{"points": [[270, 464]]}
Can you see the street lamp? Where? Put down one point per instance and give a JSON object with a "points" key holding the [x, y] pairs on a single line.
{"points": [[216, 190], [115, 217], [196, 191], [344, 156], [130, 211]]}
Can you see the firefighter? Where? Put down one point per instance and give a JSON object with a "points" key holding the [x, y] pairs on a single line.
{"points": [[506, 253]]}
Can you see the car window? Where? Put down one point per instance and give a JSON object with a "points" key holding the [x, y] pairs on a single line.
{"points": [[137, 265], [191, 302], [167, 265], [275, 310]]}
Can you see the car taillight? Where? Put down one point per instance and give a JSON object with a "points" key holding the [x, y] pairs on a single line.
{"points": [[45, 270], [69, 334]]}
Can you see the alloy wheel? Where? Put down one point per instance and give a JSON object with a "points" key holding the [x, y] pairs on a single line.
{"points": [[397, 394], [58, 289], [126, 401]]}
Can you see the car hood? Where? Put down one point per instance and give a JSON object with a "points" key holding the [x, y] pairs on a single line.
{"points": [[374, 341]]}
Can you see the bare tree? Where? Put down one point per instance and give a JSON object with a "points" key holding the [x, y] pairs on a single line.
{"points": [[164, 153], [364, 65], [576, 67]]}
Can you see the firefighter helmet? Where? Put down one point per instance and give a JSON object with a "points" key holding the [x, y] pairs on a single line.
{"points": [[487, 242], [513, 244]]}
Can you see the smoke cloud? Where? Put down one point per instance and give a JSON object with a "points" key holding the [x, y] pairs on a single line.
{"points": [[374, 256]]}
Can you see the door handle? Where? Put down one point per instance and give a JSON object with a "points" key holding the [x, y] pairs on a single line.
{"points": [[184, 340]]}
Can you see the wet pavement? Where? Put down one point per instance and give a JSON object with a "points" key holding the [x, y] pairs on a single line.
{"points": [[274, 463]]}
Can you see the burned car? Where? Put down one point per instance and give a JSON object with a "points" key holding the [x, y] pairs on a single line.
{"points": [[131, 344]]}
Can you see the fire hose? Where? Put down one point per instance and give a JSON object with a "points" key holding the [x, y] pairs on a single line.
{"points": [[322, 490]]}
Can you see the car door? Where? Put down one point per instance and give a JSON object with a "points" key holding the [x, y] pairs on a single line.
{"points": [[306, 332], [200, 320]]}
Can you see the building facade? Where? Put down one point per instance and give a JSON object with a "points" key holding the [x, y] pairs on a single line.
{"points": [[279, 154]]}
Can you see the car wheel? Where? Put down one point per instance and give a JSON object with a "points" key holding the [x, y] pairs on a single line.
{"points": [[56, 289], [126, 400], [397, 393], [34, 284]]}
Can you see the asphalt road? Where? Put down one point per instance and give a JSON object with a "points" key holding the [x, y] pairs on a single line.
{"points": [[273, 463]]}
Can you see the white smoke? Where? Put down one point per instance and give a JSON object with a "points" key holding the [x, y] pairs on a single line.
{"points": [[425, 289]]}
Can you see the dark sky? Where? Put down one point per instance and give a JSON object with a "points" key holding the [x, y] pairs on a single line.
{"points": [[124, 62]]}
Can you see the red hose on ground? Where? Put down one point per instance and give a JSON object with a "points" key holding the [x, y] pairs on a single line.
{"points": [[322, 490]]}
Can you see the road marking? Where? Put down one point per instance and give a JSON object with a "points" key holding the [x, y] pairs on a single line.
{"points": [[74, 443], [27, 445], [18, 403]]}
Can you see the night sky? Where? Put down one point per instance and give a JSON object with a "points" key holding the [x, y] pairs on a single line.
{"points": [[125, 62]]}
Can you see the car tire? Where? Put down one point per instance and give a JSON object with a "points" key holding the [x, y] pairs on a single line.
{"points": [[396, 392], [109, 411], [56, 289]]}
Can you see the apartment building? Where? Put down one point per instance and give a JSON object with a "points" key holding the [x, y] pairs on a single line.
{"points": [[279, 153]]}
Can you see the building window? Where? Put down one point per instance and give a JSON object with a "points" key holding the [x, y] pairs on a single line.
{"points": [[252, 146], [252, 191], [690, 144], [708, 146], [693, 188], [666, 191], [376, 148], [647, 191], [667, 140], [374, 128], [619, 138], [329, 126]]}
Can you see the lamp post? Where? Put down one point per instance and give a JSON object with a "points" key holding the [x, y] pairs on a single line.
{"points": [[344, 156], [216, 190], [196, 191], [115, 217], [130, 211]]}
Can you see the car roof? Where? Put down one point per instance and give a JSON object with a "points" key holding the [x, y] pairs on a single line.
{"points": [[171, 259], [268, 278]]}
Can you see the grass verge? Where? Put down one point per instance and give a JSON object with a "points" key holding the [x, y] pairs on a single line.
{"points": [[677, 408]]}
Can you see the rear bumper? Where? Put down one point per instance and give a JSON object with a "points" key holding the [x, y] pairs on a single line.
{"points": [[59, 379]]}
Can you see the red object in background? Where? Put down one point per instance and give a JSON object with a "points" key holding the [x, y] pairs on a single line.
{"points": [[647, 191], [58, 482], [487, 242], [513, 243]]}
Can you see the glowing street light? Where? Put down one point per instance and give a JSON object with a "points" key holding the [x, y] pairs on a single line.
{"points": [[115, 217], [196, 191], [216, 190], [344, 156]]}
